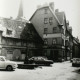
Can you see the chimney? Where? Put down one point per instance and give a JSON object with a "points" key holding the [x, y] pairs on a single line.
{"points": [[45, 4], [57, 10], [39, 6], [11, 17], [51, 5]]}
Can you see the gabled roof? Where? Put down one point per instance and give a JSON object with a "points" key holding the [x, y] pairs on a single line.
{"points": [[51, 12], [60, 16], [30, 34], [14, 25]]}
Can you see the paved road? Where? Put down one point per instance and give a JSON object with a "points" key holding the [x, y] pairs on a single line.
{"points": [[58, 71]]}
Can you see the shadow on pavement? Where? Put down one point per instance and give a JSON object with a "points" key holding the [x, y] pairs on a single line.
{"points": [[6, 70], [77, 71]]}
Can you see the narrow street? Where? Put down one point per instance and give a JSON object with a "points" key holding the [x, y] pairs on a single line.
{"points": [[58, 71]]}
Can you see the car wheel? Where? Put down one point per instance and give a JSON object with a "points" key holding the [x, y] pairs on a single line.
{"points": [[9, 68], [47, 64]]}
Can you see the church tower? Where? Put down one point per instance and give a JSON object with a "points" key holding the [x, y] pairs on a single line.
{"points": [[20, 13]]}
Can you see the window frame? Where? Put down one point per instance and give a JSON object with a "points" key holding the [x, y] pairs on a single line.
{"points": [[8, 32], [55, 30], [51, 20], [45, 41], [55, 41], [46, 21], [45, 30], [46, 11]]}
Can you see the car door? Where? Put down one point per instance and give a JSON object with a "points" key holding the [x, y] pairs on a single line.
{"points": [[2, 63]]}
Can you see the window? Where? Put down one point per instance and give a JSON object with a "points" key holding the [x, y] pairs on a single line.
{"points": [[62, 31], [54, 41], [14, 42], [45, 20], [45, 10], [10, 51], [23, 43], [54, 29], [45, 41], [9, 32], [50, 20], [45, 30], [63, 42]]}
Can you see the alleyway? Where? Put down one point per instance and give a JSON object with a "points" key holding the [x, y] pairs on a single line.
{"points": [[58, 71]]}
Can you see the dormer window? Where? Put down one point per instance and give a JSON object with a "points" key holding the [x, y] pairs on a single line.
{"points": [[9, 32]]}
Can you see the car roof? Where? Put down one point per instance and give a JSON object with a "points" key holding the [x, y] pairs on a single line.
{"points": [[2, 56]]}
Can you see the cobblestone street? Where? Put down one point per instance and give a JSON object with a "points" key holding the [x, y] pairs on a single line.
{"points": [[58, 71]]}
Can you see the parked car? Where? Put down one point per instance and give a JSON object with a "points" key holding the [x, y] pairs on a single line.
{"points": [[71, 60], [6, 64], [60, 60], [40, 61], [76, 62]]}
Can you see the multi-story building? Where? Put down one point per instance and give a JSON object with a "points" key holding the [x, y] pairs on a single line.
{"points": [[51, 26], [76, 48], [68, 41]]}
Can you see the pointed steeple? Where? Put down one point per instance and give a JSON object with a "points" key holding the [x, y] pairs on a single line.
{"points": [[20, 13]]}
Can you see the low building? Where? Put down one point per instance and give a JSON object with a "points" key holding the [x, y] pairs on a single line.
{"points": [[34, 43], [12, 46]]}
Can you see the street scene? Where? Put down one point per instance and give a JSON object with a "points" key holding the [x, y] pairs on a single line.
{"points": [[57, 71], [39, 40]]}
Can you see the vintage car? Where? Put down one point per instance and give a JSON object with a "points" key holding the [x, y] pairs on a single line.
{"points": [[76, 62], [40, 61], [6, 64]]}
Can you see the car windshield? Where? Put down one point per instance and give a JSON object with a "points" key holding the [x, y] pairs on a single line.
{"points": [[6, 59]]}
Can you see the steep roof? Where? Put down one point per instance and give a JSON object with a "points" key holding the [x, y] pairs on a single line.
{"points": [[30, 34], [60, 16], [51, 12], [12, 25]]}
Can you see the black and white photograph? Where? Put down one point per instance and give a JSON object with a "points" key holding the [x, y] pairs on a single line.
{"points": [[39, 39]]}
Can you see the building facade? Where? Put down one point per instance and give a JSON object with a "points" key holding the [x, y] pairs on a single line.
{"points": [[11, 44], [34, 43], [51, 26], [76, 48]]}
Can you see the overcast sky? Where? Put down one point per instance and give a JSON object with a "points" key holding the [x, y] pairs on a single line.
{"points": [[70, 7]]}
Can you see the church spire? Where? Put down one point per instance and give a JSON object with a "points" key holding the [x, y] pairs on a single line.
{"points": [[20, 13]]}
